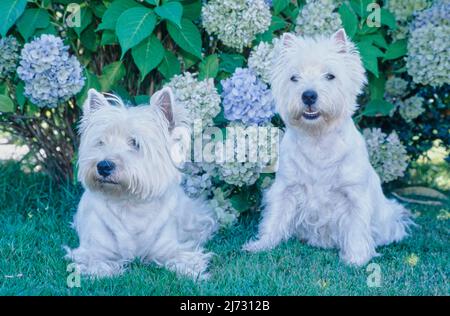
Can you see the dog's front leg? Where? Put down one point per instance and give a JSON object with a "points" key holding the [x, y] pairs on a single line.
{"points": [[277, 220], [356, 243]]}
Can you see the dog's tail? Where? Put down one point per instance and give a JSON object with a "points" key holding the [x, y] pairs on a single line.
{"points": [[396, 223]]}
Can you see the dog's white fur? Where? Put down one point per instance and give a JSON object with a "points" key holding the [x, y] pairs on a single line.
{"points": [[143, 212], [325, 192]]}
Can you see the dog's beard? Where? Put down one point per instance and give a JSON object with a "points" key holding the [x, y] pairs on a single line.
{"points": [[114, 185], [317, 118]]}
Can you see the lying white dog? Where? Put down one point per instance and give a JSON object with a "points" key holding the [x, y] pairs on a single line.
{"points": [[133, 205]]}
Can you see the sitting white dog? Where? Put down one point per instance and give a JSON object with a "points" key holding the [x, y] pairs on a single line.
{"points": [[133, 205], [325, 191]]}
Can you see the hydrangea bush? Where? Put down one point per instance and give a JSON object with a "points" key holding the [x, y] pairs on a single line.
{"points": [[217, 56]]}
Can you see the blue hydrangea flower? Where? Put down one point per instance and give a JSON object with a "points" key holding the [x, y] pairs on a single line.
{"points": [[51, 76], [428, 59], [246, 98], [437, 14], [9, 56]]}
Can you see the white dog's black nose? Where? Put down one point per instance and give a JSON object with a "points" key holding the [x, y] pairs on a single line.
{"points": [[105, 168], [309, 97]]}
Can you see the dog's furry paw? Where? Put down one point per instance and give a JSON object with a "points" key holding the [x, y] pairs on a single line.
{"points": [[191, 264], [256, 246], [357, 260], [91, 266]]}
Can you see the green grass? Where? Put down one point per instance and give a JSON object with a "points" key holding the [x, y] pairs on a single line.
{"points": [[35, 216]]}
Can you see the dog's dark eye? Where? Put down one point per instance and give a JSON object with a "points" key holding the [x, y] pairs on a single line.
{"points": [[330, 76], [100, 143], [294, 78], [134, 143]]}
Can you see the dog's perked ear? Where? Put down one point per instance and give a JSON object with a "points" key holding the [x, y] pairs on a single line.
{"points": [[340, 37], [94, 101], [164, 99], [288, 40]]}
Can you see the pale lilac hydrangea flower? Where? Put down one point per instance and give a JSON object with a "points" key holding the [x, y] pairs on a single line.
{"points": [[246, 98], [387, 154], [50, 74]]}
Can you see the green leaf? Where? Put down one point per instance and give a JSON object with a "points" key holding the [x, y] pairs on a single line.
{"points": [[91, 82], [89, 38], [192, 9], [360, 7], [377, 39], [369, 55], [31, 20], [108, 38], [349, 20], [153, 2], [10, 10], [147, 55], [113, 13], [4, 88], [377, 107], [396, 50], [172, 11], [209, 67], [111, 74], [170, 65], [277, 24], [187, 37], [20, 97], [279, 5], [189, 60], [376, 86], [50, 29], [6, 104], [241, 201], [229, 63], [85, 18], [387, 18], [133, 26]]}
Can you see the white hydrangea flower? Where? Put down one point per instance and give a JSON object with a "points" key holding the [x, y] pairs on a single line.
{"points": [[222, 207], [387, 154], [239, 173], [318, 17], [261, 59], [411, 108], [428, 59], [200, 98], [236, 22]]}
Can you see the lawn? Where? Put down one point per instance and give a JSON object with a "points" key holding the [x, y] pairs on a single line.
{"points": [[35, 216]]}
